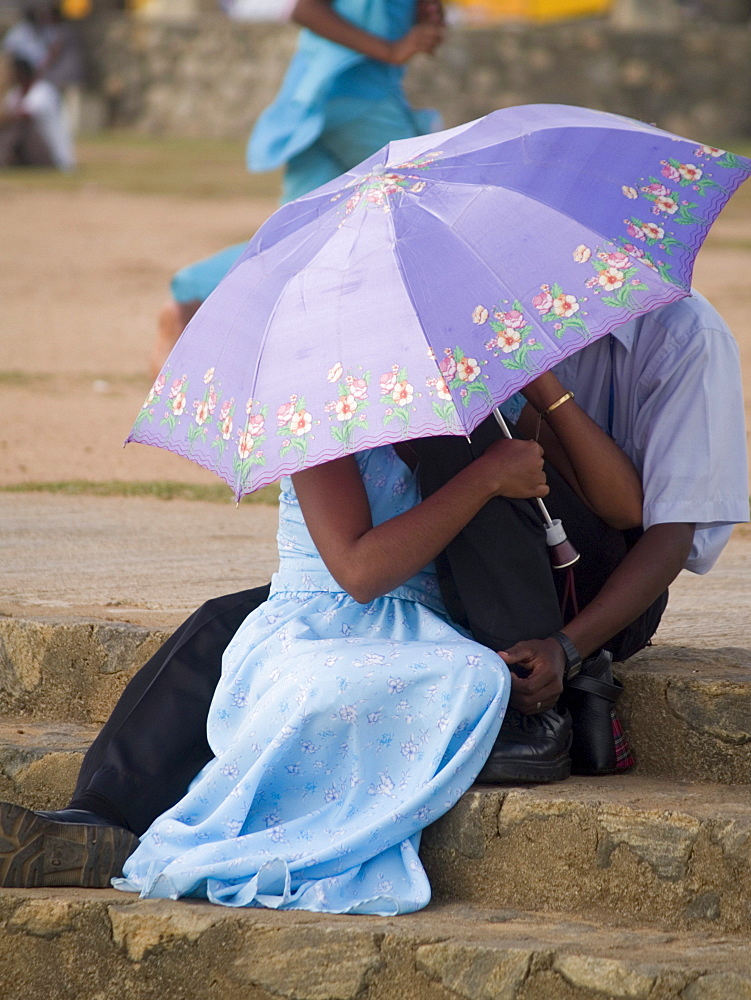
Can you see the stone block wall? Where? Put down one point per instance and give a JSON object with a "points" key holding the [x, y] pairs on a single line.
{"points": [[212, 77], [694, 80]]}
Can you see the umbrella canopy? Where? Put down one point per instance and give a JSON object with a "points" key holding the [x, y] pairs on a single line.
{"points": [[414, 293]]}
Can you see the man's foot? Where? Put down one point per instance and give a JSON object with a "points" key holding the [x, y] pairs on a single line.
{"points": [[67, 847], [530, 749]]}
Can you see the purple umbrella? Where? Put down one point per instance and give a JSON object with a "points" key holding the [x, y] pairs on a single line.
{"points": [[412, 295]]}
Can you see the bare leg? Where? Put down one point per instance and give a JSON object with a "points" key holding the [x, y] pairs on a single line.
{"points": [[172, 319]]}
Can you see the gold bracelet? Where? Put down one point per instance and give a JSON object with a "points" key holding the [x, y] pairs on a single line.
{"points": [[544, 414]]}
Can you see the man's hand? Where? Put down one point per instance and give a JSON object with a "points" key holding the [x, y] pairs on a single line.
{"points": [[541, 662]]}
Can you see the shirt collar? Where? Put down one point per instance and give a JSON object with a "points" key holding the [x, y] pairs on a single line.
{"points": [[626, 333]]}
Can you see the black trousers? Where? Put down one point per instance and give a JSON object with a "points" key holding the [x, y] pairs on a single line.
{"points": [[154, 742], [495, 579]]}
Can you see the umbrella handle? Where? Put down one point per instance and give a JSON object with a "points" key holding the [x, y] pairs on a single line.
{"points": [[562, 552]]}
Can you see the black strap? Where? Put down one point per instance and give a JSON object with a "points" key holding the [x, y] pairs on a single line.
{"points": [[591, 685]]}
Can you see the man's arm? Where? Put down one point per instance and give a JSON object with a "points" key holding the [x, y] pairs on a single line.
{"points": [[592, 464], [645, 572], [319, 17]]}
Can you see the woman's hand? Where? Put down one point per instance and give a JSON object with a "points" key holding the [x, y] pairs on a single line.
{"points": [[543, 391], [430, 12], [515, 468], [318, 16], [588, 459], [423, 37]]}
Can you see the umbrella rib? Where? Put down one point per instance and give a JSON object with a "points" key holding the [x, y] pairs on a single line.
{"points": [[407, 287], [527, 196], [636, 261]]}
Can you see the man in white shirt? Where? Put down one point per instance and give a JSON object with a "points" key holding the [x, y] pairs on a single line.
{"points": [[677, 413], [667, 388], [33, 131]]}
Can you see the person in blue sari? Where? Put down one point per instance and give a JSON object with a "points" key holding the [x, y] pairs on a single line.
{"points": [[350, 710], [341, 100]]}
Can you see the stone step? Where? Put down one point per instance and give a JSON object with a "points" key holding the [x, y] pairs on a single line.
{"points": [[40, 761], [69, 668], [656, 851], [101, 944], [687, 711], [671, 853]]}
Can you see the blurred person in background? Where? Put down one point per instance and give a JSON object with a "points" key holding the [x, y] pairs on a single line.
{"points": [[33, 129], [341, 100], [64, 63], [25, 39]]}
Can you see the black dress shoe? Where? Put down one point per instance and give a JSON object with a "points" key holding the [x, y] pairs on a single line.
{"points": [[67, 847], [530, 749]]}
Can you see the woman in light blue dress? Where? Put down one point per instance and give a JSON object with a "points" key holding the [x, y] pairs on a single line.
{"points": [[351, 712]]}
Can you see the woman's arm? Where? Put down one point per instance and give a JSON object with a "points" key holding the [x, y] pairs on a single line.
{"points": [[318, 16], [591, 462], [370, 561]]}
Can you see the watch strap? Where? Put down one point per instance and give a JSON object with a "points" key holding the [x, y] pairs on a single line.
{"points": [[573, 659]]}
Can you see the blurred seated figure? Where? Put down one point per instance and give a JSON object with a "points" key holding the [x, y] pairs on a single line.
{"points": [[64, 65], [33, 130]]}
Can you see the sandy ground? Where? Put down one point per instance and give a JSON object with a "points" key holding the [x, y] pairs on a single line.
{"points": [[82, 275], [81, 281]]}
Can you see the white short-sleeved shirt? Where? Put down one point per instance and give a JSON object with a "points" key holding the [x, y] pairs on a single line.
{"points": [[42, 103], [677, 413]]}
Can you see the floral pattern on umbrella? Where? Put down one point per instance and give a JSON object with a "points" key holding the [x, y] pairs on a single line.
{"points": [[376, 188], [511, 336], [350, 408], [670, 206]]}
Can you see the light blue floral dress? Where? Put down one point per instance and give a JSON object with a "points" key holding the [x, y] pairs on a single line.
{"points": [[340, 731]]}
